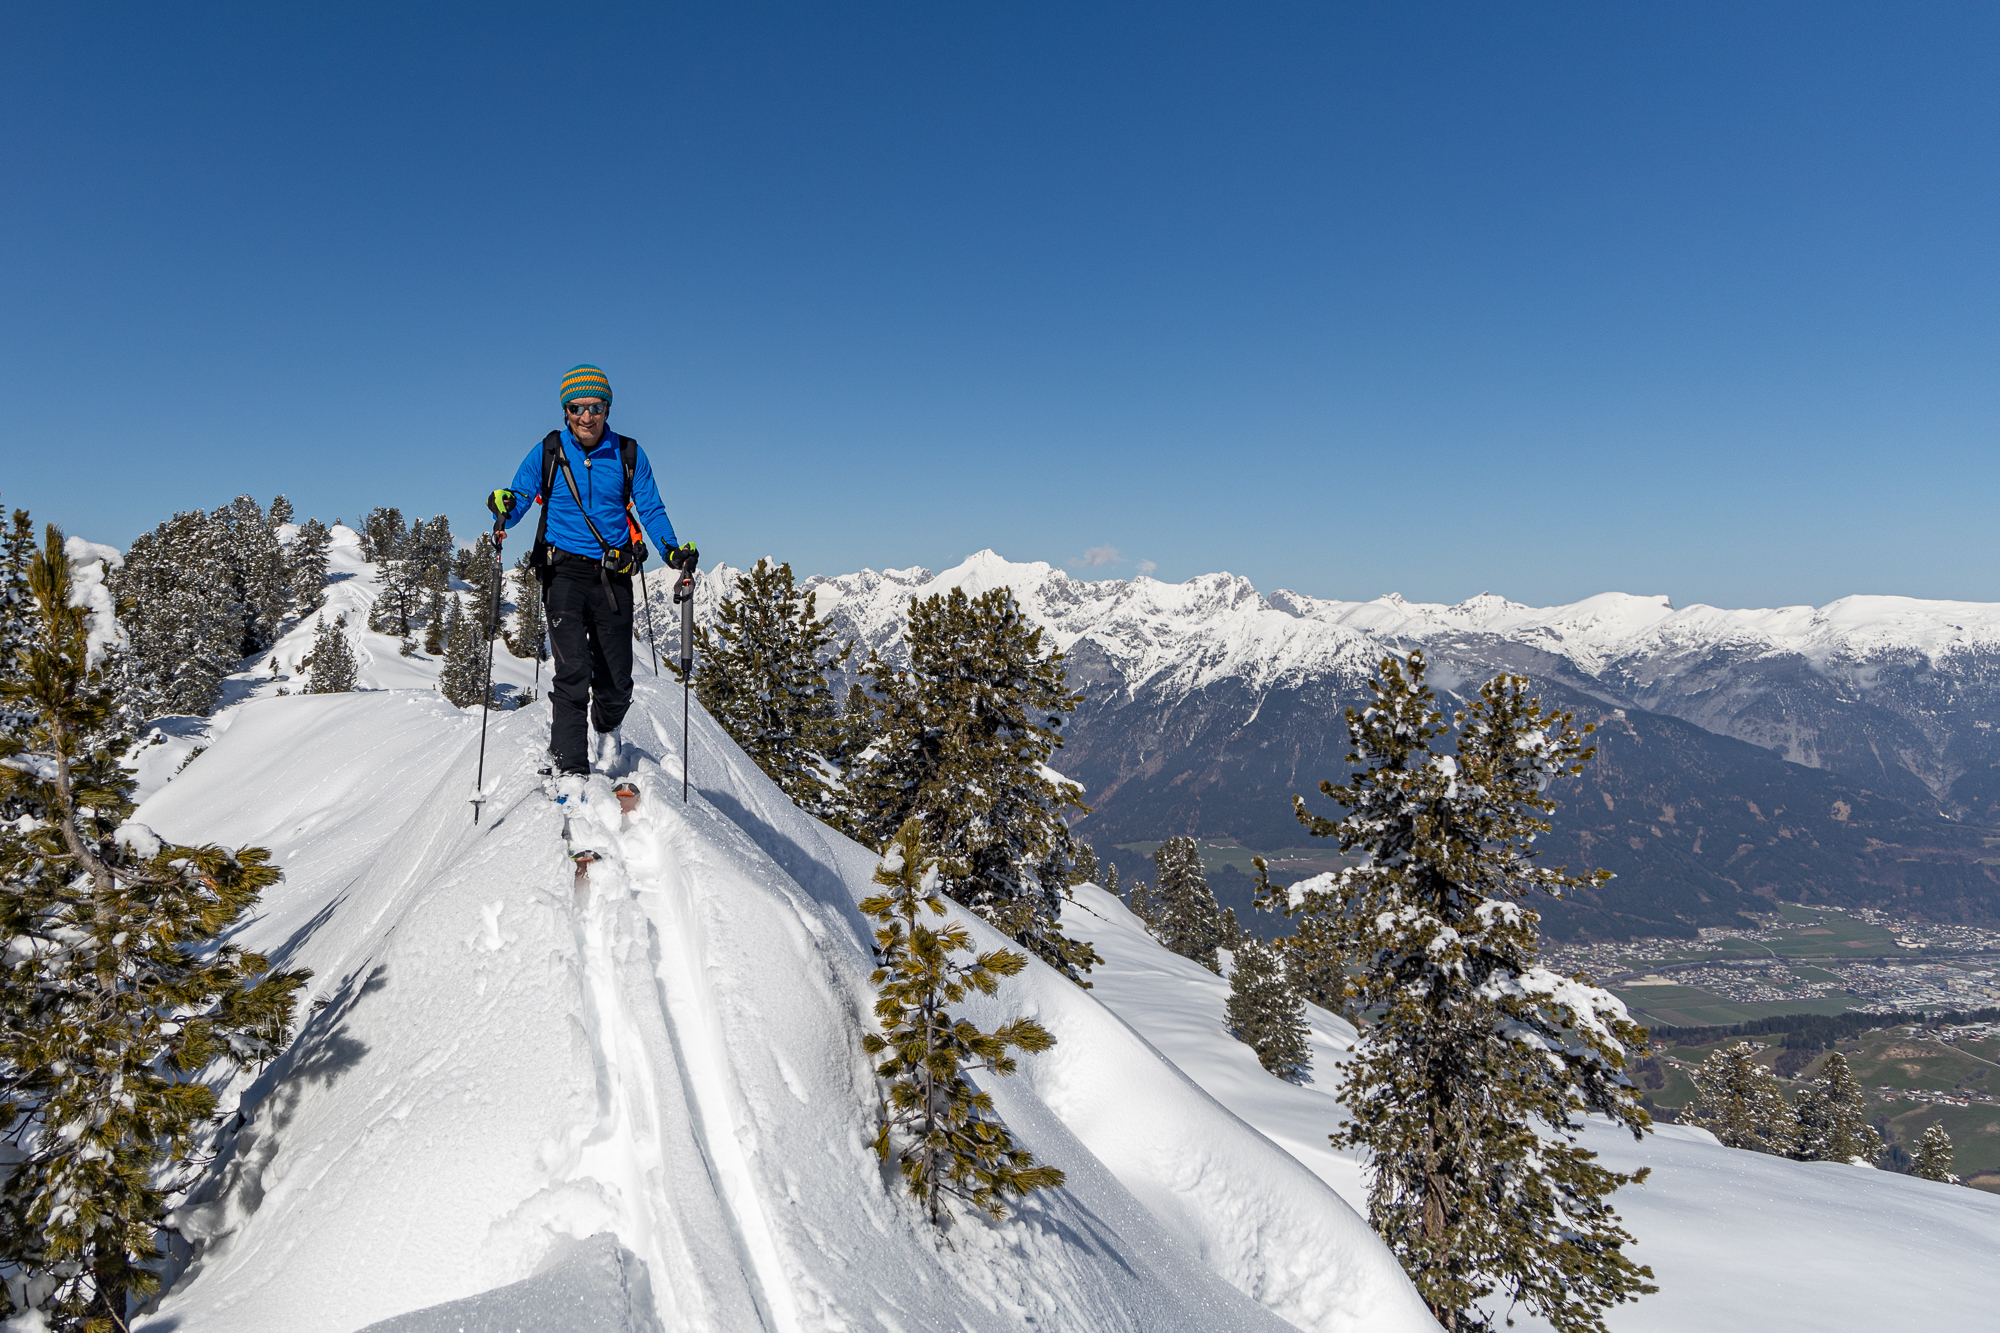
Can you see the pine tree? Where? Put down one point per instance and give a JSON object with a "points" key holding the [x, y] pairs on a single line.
{"points": [[1832, 1119], [306, 566], [281, 511], [530, 625], [186, 615], [117, 992], [330, 666], [382, 535], [962, 740], [1316, 965], [1934, 1156], [1111, 879], [1468, 1090], [1265, 1011], [1188, 919], [942, 1131], [1086, 871], [1145, 905], [481, 569], [761, 672], [434, 615], [17, 603], [1740, 1102], [463, 680], [256, 572]]}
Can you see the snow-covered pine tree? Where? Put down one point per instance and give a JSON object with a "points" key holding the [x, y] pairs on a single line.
{"points": [[1316, 965], [420, 558], [941, 1131], [118, 990], [1740, 1102], [330, 666], [1145, 905], [1111, 879], [434, 613], [382, 534], [463, 680], [1468, 1090], [1832, 1119], [1265, 1011], [962, 741], [281, 511], [306, 566], [256, 571], [1188, 919], [17, 550], [186, 617], [481, 569], [1086, 871], [761, 671], [530, 625], [1934, 1156]]}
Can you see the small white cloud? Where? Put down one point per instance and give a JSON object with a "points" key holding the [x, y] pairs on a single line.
{"points": [[1146, 567], [1097, 557]]}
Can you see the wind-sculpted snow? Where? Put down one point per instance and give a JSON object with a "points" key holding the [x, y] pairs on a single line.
{"points": [[497, 1065], [1741, 1242]]}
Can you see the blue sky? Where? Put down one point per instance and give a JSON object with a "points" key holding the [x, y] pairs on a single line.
{"points": [[1543, 300]]}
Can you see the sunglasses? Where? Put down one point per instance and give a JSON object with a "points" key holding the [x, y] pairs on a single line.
{"points": [[585, 409]]}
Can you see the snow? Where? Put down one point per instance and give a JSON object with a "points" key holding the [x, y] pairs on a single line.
{"points": [[351, 590], [1180, 637], [88, 562], [497, 1065], [1740, 1242], [640, 1103]]}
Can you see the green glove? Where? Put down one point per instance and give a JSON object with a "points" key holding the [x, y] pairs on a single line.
{"points": [[683, 557], [501, 503]]}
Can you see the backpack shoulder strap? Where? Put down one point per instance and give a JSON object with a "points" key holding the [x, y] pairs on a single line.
{"points": [[628, 454], [551, 455]]}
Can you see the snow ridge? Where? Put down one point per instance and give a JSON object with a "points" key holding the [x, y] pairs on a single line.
{"points": [[507, 1064]]}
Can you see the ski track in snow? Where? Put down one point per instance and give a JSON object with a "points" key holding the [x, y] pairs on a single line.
{"points": [[492, 1067], [506, 1065]]}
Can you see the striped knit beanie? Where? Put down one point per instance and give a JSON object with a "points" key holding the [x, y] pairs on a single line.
{"points": [[586, 382]]}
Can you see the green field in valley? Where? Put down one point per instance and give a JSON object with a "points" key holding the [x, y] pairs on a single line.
{"points": [[1888, 1063], [1691, 1006]]}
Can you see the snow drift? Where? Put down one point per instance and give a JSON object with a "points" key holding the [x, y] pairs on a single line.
{"points": [[642, 1102]]}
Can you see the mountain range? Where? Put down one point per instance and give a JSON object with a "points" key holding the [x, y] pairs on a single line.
{"points": [[1842, 754]]}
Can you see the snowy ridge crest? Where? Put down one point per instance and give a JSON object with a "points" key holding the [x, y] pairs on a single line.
{"points": [[1180, 637]]}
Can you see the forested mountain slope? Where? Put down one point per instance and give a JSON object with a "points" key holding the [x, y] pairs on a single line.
{"points": [[1843, 754]]}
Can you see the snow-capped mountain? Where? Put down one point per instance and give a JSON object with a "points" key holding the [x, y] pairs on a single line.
{"points": [[638, 1103], [1845, 751]]}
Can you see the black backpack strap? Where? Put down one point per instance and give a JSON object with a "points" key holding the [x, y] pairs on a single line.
{"points": [[628, 453], [551, 451]]}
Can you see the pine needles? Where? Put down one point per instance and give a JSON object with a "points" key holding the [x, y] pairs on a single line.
{"points": [[942, 1131]]}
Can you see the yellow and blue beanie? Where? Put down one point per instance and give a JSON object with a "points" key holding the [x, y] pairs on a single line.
{"points": [[586, 382]]}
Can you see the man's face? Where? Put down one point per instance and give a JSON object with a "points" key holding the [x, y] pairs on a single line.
{"points": [[586, 419]]}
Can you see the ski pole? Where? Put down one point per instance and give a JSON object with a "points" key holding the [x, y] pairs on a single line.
{"points": [[486, 692], [684, 595], [652, 640]]}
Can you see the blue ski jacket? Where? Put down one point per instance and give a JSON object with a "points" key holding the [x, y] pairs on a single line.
{"points": [[600, 480]]}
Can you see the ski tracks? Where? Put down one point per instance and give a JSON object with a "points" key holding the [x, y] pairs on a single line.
{"points": [[665, 1088]]}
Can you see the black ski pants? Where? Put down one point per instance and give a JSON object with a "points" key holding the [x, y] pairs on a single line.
{"points": [[590, 634]]}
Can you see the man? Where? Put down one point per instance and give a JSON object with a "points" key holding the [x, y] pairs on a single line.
{"points": [[584, 557]]}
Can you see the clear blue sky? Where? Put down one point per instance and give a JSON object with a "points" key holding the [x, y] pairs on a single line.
{"points": [[1546, 300]]}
